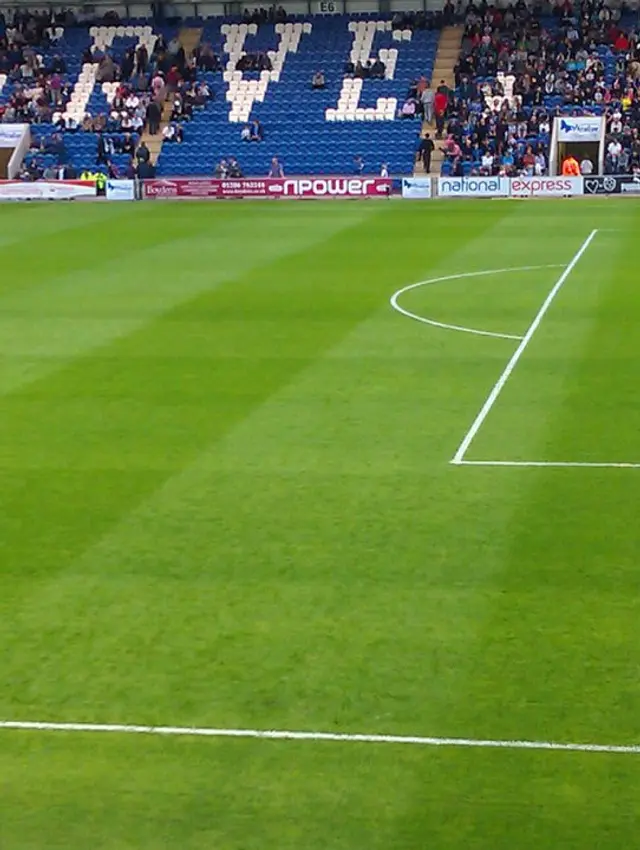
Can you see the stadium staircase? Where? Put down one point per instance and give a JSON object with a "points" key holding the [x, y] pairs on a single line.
{"points": [[443, 69], [189, 38]]}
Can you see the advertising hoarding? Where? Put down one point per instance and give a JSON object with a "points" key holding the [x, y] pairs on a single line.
{"points": [[473, 187], [416, 187], [538, 187], [248, 187], [45, 190]]}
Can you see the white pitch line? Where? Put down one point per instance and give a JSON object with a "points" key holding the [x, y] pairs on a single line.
{"points": [[504, 377], [447, 326], [285, 735], [559, 463]]}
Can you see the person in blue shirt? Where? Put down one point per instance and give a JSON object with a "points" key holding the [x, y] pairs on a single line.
{"points": [[507, 158], [275, 169]]}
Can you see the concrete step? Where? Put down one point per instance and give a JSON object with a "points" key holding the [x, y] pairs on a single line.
{"points": [[189, 38]]}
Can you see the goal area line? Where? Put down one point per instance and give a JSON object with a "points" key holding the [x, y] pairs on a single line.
{"points": [[289, 735], [548, 463]]}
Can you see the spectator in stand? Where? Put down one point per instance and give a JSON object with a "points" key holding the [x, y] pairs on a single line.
{"points": [[275, 169], [408, 109], [245, 133], [586, 166], [234, 169], [452, 152], [529, 162], [361, 71], [143, 154], [206, 58], [146, 170], [377, 69], [358, 165], [624, 161], [426, 99], [154, 117], [158, 86], [540, 165], [173, 133], [106, 72], [173, 78], [440, 103], [257, 132], [318, 81], [254, 62], [614, 150], [426, 151], [532, 73], [105, 149], [487, 162]]}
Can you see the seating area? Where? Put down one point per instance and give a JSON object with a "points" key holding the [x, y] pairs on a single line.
{"points": [[317, 131], [517, 72], [311, 130]]}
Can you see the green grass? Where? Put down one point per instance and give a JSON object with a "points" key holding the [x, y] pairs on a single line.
{"points": [[227, 501]]}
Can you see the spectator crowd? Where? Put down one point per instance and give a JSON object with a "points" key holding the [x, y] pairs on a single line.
{"points": [[519, 69]]}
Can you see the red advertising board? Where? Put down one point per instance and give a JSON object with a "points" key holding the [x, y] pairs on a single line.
{"points": [[288, 187]]}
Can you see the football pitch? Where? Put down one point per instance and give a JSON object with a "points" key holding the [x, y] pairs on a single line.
{"points": [[364, 476]]}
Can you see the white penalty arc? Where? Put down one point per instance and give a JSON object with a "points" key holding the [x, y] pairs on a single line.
{"points": [[462, 328]]}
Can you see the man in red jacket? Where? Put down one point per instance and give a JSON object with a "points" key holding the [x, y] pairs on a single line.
{"points": [[440, 103]]}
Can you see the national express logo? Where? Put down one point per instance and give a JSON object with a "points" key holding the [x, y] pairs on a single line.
{"points": [[483, 186]]}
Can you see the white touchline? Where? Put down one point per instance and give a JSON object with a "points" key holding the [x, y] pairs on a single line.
{"points": [[285, 735], [504, 377]]}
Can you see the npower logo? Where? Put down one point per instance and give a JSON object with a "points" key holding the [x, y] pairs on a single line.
{"points": [[346, 187]]}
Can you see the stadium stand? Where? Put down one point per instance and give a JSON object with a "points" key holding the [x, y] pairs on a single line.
{"points": [[518, 70], [88, 100]]}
